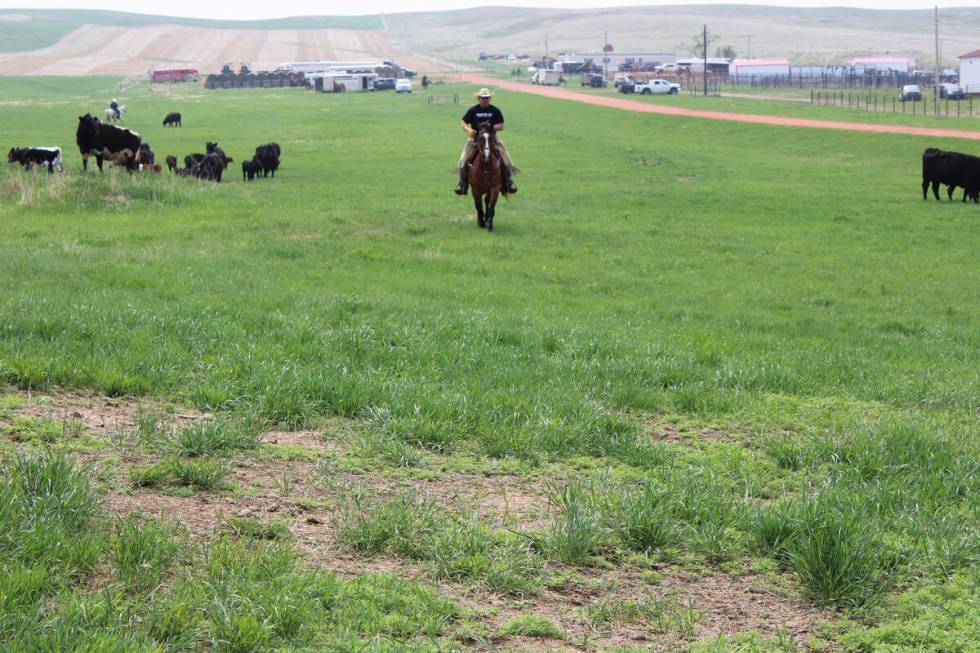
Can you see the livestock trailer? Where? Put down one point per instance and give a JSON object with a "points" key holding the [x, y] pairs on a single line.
{"points": [[340, 82]]}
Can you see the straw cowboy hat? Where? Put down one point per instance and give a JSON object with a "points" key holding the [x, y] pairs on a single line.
{"points": [[483, 92]]}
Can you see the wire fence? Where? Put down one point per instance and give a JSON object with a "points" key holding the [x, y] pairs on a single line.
{"points": [[874, 102], [830, 80]]}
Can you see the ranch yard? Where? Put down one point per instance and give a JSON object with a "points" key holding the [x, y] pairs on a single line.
{"points": [[708, 386]]}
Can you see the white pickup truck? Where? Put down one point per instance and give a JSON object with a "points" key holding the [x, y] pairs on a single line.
{"points": [[653, 87]]}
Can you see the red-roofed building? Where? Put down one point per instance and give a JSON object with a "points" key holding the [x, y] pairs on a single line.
{"points": [[970, 71], [759, 68]]}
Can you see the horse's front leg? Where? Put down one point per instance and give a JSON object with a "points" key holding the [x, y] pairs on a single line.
{"points": [[491, 208], [478, 203]]}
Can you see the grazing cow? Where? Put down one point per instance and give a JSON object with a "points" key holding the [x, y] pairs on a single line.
{"points": [[210, 168], [212, 148], [184, 172], [50, 157], [191, 161], [268, 155], [104, 141], [151, 167], [250, 169], [953, 169], [146, 154], [171, 162], [173, 118]]}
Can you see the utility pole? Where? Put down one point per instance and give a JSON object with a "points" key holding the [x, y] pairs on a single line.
{"points": [[705, 71], [546, 48], [605, 54], [935, 87]]}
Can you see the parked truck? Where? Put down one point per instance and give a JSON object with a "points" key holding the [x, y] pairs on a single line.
{"points": [[653, 87]]}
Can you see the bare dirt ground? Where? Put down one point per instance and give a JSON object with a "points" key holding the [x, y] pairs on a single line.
{"points": [[98, 50], [643, 107], [287, 488]]}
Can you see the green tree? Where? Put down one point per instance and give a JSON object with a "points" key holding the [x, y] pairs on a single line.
{"points": [[728, 52]]}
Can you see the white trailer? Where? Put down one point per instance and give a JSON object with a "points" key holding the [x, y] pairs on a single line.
{"points": [[970, 72], [546, 77], [334, 82]]}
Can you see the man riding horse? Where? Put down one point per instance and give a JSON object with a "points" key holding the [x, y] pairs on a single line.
{"points": [[114, 105], [479, 113]]}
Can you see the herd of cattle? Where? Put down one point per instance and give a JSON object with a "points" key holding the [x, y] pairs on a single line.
{"points": [[953, 169], [124, 147]]}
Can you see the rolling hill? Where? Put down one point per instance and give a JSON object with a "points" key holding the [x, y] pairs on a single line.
{"points": [[49, 42]]}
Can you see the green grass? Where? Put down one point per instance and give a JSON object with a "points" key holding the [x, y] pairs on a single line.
{"points": [[162, 594], [787, 286]]}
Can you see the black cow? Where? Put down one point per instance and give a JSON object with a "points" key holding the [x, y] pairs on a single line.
{"points": [[104, 141], [268, 155], [171, 162], [953, 169], [212, 148], [250, 169], [50, 157], [191, 161], [147, 156], [173, 118], [210, 168]]}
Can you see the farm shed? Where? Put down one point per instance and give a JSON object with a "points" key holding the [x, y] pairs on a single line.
{"points": [[759, 68], [970, 71], [902, 65]]}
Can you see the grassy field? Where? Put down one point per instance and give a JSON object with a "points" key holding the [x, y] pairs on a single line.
{"points": [[694, 392]]}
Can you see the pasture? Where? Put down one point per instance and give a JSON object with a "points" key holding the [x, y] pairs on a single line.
{"points": [[707, 386]]}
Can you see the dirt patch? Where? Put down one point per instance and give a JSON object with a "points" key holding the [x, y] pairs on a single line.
{"points": [[660, 430], [98, 414], [643, 107]]}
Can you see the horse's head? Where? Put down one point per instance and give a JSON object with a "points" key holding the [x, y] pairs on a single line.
{"points": [[486, 137]]}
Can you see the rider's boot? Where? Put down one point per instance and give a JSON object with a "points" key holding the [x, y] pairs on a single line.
{"points": [[464, 182], [509, 181]]}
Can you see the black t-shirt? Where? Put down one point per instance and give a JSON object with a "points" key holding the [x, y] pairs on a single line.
{"points": [[478, 114]]}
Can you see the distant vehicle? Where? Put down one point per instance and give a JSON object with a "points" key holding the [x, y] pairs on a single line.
{"points": [[408, 73], [910, 93], [653, 87], [951, 92], [620, 80], [595, 80], [546, 77], [384, 84], [403, 86], [245, 69], [666, 67], [226, 69]]}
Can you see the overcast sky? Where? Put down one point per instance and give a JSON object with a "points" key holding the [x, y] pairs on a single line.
{"points": [[242, 9]]}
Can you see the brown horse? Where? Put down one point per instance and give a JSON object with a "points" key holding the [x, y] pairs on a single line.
{"points": [[486, 176]]}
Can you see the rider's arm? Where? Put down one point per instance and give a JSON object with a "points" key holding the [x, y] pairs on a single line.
{"points": [[499, 127], [466, 128]]}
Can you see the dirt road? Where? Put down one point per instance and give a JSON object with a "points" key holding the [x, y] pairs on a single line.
{"points": [[643, 107]]}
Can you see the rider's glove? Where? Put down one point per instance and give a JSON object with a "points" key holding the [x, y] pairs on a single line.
{"points": [[471, 132]]}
